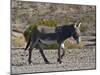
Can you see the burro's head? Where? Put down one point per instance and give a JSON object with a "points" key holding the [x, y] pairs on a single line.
{"points": [[76, 32]]}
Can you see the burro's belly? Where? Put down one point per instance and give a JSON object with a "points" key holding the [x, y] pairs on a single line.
{"points": [[48, 42]]}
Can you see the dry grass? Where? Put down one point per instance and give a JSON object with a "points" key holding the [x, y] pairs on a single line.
{"points": [[18, 41], [70, 45]]}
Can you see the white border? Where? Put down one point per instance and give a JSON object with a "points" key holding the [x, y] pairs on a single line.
{"points": [[85, 2], [5, 37]]}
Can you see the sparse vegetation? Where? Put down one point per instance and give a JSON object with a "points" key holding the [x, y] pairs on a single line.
{"points": [[70, 45], [28, 31], [18, 42], [48, 22]]}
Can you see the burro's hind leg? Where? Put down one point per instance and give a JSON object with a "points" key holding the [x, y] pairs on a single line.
{"points": [[30, 53], [33, 44], [27, 45], [42, 54], [29, 59]]}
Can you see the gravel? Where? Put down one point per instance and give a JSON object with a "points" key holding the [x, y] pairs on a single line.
{"points": [[74, 59]]}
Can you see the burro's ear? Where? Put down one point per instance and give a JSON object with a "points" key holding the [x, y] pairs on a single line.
{"points": [[77, 25]]}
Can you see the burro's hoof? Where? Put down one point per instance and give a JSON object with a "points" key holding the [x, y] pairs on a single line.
{"points": [[29, 61], [59, 60], [47, 62]]}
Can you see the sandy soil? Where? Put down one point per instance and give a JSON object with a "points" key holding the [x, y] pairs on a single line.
{"points": [[74, 59]]}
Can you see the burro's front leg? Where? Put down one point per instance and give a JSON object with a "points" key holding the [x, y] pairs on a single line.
{"points": [[59, 56], [63, 50]]}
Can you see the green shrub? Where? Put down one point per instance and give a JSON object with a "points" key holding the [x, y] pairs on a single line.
{"points": [[28, 31], [48, 22]]}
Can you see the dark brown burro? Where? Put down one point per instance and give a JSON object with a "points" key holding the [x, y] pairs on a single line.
{"points": [[37, 38]]}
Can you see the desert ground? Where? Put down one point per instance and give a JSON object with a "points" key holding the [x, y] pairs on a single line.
{"points": [[74, 59]]}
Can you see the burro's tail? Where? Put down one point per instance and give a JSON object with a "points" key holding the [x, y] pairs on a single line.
{"points": [[32, 37], [28, 43]]}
